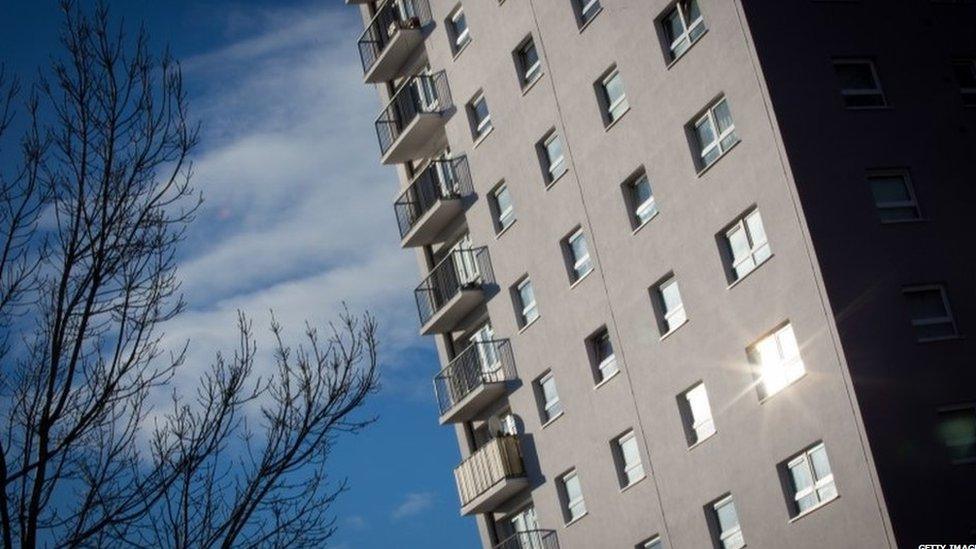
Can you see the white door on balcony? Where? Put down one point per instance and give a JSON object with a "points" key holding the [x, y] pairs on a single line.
{"points": [[425, 91], [444, 170], [464, 261], [523, 526], [405, 9], [483, 338]]}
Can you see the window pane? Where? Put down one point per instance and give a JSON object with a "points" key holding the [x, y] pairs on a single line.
{"points": [[671, 296], [965, 72], [481, 109], [554, 149], [705, 133], [722, 116], [756, 229], [692, 11], [855, 76], [603, 347], [727, 517], [738, 243], [642, 191], [926, 304], [889, 189], [614, 87], [673, 26], [502, 199], [957, 428], [578, 245], [800, 473], [698, 402]]}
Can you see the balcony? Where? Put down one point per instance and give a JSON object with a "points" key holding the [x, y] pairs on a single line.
{"points": [[432, 201], [412, 124], [389, 39], [491, 475], [452, 290], [474, 379], [530, 539]]}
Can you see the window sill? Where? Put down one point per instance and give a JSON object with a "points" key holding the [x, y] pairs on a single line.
{"points": [[754, 269], [459, 51], [767, 398], [552, 183], [580, 280], [590, 21], [610, 126], [499, 233], [691, 46], [702, 171], [703, 441], [870, 108], [673, 330], [811, 510], [607, 379], [903, 221], [632, 484], [481, 138], [531, 84], [577, 519], [646, 223], [529, 324], [552, 420], [939, 339]]}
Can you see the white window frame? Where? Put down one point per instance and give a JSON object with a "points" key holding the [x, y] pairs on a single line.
{"points": [[484, 126], [687, 27], [504, 217], [462, 38], [582, 266], [679, 310], [941, 320], [620, 103], [526, 308], [906, 180], [877, 90], [784, 370], [529, 72], [549, 405], [554, 165], [755, 247], [588, 9], [709, 118], [949, 409], [649, 205], [575, 508], [631, 472], [703, 427], [653, 543], [607, 367], [725, 535], [817, 486]]}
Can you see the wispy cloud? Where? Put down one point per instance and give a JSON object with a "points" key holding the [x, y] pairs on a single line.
{"points": [[413, 504]]}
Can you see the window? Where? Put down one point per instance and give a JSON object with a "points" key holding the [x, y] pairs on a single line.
{"points": [[747, 244], [527, 60], [672, 309], [715, 133], [579, 255], [653, 543], [551, 407], [894, 196], [628, 454], [641, 200], [480, 116], [683, 26], [957, 429], [587, 10], [965, 71], [930, 313], [727, 520], [778, 357], [811, 478], [504, 212], [602, 352], [528, 310], [697, 413], [575, 507], [859, 84], [458, 25], [613, 98], [552, 156]]}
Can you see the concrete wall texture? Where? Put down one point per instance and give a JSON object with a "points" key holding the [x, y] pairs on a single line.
{"points": [[871, 392]]}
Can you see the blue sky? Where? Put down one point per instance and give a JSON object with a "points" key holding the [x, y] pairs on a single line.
{"points": [[297, 218]]}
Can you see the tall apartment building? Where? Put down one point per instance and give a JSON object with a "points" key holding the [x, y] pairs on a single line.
{"points": [[697, 271]]}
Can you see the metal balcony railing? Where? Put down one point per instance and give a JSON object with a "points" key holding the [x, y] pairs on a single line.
{"points": [[392, 16], [530, 539], [441, 180], [494, 463], [480, 363], [460, 270], [419, 95]]}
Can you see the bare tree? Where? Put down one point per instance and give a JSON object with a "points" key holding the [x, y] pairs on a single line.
{"points": [[90, 221]]}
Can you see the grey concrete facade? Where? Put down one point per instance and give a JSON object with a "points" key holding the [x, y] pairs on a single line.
{"points": [[870, 392]]}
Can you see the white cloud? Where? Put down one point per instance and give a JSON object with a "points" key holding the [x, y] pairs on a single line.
{"points": [[413, 504]]}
